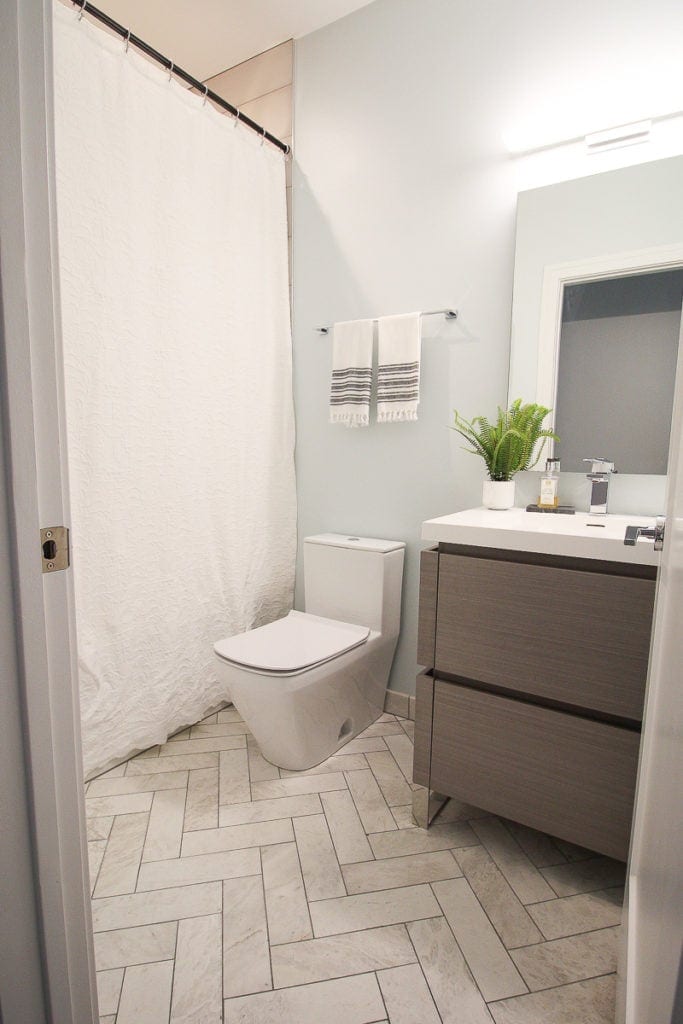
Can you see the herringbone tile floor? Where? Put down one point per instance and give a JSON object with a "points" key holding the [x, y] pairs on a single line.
{"points": [[227, 890]]}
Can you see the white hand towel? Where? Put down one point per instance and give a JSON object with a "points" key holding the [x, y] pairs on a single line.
{"points": [[351, 373], [398, 375]]}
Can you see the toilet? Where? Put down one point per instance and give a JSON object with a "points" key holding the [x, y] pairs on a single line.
{"points": [[308, 683]]}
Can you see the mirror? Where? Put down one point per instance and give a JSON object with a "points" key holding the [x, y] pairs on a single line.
{"points": [[597, 309]]}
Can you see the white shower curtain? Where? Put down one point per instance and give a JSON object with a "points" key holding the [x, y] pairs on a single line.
{"points": [[177, 357]]}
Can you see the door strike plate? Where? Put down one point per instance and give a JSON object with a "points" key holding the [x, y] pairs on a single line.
{"points": [[54, 545]]}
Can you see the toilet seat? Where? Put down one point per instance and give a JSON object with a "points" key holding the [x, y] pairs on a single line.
{"points": [[291, 645]]}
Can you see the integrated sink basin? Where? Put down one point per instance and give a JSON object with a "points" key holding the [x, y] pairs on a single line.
{"points": [[580, 535]]}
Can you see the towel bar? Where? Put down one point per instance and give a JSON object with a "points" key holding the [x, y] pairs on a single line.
{"points": [[449, 314]]}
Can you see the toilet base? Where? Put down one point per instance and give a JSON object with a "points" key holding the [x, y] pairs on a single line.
{"points": [[299, 721]]}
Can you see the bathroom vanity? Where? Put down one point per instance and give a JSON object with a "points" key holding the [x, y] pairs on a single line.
{"points": [[535, 631]]}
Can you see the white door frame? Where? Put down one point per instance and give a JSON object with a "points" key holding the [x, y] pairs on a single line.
{"points": [[37, 485]]}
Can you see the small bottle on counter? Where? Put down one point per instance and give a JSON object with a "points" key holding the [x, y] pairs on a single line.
{"points": [[550, 483]]}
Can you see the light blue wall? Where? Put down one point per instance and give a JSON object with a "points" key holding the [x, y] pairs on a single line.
{"points": [[404, 198]]}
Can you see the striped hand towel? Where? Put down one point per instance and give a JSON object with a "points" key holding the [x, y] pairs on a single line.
{"points": [[351, 373], [398, 375]]}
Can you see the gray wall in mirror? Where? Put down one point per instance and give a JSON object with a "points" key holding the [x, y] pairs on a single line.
{"points": [[618, 350], [624, 211]]}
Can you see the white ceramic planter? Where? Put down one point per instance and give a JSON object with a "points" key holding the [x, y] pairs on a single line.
{"points": [[499, 494]]}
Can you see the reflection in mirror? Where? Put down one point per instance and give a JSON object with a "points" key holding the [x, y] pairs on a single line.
{"points": [[617, 363]]}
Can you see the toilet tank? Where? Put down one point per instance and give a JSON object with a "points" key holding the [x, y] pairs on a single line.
{"points": [[354, 579]]}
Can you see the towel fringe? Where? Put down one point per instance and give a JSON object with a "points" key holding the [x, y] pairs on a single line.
{"points": [[397, 416], [350, 419]]}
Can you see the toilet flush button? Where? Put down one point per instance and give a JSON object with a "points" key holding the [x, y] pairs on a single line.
{"points": [[353, 538]]}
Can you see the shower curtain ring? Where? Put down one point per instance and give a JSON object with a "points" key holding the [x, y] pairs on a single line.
{"points": [[127, 40], [206, 93], [263, 137], [170, 71], [237, 117], [82, 11]]}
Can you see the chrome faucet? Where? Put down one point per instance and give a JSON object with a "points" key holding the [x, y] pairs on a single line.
{"points": [[599, 478]]}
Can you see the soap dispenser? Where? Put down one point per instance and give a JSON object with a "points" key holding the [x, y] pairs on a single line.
{"points": [[550, 482]]}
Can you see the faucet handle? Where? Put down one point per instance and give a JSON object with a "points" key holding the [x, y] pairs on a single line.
{"points": [[601, 466]]}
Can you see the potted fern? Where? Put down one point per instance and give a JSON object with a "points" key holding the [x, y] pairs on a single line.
{"points": [[509, 445]]}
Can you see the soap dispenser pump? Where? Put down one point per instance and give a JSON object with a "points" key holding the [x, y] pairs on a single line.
{"points": [[550, 482]]}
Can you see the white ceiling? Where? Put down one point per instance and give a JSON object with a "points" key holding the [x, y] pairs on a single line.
{"points": [[207, 36]]}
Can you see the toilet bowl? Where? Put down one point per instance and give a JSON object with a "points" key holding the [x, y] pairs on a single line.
{"points": [[308, 683]]}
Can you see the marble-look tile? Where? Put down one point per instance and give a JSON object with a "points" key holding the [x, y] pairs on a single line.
{"points": [[182, 734], [267, 810], [119, 870], [394, 872], [205, 731], [408, 727], [348, 835], [403, 816], [113, 773], [526, 879], [229, 714], [246, 960], [455, 992], [402, 750], [286, 906], [489, 961], [109, 990], [506, 913], [201, 806], [233, 784], [144, 754], [298, 786], [198, 976], [585, 875], [336, 763], [370, 804], [146, 994], [96, 848], [208, 867], [420, 840], [99, 828], [178, 763], [575, 958], [355, 1000], [390, 727], [205, 746], [372, 910], [137, 784], [584, 1002], [394, 787], [110, 806], [300, 963], [260, 770], [126, 947], [238, 837], [455, 810], [406, 996], [363, 745], [165, 829], [319, 865], [115, 912], [573, 852], [541, 849], [574, 914]]}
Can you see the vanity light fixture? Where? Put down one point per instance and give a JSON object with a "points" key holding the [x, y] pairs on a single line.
{"points": [[621, 135]]}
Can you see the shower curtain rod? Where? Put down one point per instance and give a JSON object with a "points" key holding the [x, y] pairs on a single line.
{"points": [[140, 44]]}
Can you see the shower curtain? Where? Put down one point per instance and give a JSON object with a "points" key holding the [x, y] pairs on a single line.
{"points": [[177, 362]]}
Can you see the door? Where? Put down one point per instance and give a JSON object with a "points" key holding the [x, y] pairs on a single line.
{"points": [[653, 984], [38, 614]]}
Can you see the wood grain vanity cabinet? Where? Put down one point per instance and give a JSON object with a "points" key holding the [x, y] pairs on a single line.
{"points": [[532, 701]]}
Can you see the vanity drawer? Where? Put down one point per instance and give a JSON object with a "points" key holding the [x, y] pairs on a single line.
{"points": [[576, 637], [554, 771]]}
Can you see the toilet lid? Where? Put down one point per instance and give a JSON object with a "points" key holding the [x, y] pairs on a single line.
{"points": [[297, 642]]}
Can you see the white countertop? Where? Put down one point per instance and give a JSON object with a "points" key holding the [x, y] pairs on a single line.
{"points": [[515, 529]]}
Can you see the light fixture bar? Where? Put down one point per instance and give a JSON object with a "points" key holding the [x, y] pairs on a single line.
{"points": [[621, 135]]}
